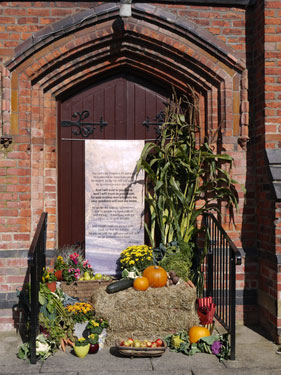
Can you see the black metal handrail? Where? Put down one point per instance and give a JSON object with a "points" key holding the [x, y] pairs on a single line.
{"points": [[36, 262], [222, 258]]}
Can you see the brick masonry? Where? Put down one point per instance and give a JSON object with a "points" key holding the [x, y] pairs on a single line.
{"points": [[233, 56]]}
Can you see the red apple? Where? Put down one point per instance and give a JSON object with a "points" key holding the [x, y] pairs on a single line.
{"points": [[159, 342], [153, 344], [122, 343], [148, 344]]}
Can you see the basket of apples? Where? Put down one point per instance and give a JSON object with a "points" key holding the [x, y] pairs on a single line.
{"points": [[141, 348]]}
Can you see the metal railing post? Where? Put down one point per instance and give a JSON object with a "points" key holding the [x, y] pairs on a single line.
{"points": [[36, 262]]}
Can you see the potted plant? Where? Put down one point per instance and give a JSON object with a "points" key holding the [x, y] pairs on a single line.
{"points": [[59, 267], [93, 340], [76, 267], [134, 259], [97, 325], [81, 347], [49, 278]]}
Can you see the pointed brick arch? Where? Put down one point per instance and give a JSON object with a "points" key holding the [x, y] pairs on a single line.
{"points": [[82, 48]]}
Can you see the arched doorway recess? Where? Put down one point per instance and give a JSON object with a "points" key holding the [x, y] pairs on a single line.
{"points": [[153, 45]]}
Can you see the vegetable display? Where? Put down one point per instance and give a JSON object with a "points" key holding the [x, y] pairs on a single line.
{"points": [[213, 344]]}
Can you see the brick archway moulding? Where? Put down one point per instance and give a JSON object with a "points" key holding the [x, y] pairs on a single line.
{"points": [[84, 47]]}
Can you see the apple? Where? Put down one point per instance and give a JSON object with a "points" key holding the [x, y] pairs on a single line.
{"points": [[130, 340], [153, 344], [122, 343], [148, 344], [159, 342], [143, 344], [137, 344], [128, 343]]}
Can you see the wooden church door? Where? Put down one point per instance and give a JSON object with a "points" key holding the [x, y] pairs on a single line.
{"points": [[121, 107]]}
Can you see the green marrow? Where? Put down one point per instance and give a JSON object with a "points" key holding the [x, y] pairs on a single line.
{"points": [[119, 285]]}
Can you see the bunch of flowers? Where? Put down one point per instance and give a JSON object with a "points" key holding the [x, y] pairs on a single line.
{"points": [[136, 258], [59, 263], [48, 276], [76, 266], [96, 325], [81, 342], [80, 311], [93, 338]]}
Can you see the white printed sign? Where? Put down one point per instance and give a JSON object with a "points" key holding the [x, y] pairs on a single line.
{"points": [[114, 201]]}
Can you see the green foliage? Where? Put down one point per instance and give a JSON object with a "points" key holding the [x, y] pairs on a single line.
{"points": [[215, 344], [44, 348], [184, 177], [53, 316], [178, 257]]}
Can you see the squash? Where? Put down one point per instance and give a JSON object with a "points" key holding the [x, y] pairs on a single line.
{"points": [[147, 270], [156, 275], [197, 332], [141, 283], [119, 285]]}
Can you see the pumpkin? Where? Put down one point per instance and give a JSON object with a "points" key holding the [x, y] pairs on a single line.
{"points": [[156, 275], [141, 283], [147, 270], [196, 333]]}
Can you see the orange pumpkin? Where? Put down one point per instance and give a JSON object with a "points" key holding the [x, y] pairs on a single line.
{"points": [[147, 270], [156, 275], [141, 283], [196, 333]]}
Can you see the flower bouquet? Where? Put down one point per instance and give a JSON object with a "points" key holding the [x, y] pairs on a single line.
{"points": [[135, 259], [80, 311], [96, 325], [76, 266]]}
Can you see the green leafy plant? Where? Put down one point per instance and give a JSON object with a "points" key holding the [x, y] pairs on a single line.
{"points": [[81, 342], [53, 318], [215, 344], [93, 338], [184, 177], [44, 348]]}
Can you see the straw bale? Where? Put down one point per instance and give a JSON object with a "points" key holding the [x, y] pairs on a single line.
{"points": [[155, 312]]}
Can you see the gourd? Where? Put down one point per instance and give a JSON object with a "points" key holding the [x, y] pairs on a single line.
{"points": [[119, 285], [141, 283], [196, 333], [156, 275]]}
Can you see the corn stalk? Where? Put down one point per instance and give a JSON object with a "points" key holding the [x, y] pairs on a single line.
{"points": [[181, 171]]}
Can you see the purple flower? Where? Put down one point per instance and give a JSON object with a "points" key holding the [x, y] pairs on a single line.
{"points": [[216, 347]]}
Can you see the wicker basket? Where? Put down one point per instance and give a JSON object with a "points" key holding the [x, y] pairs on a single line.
{"points": [[84, 290]]}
